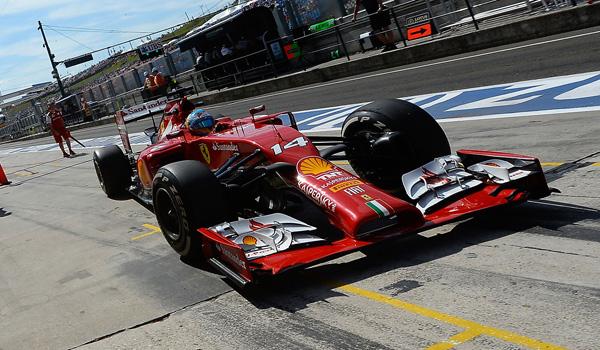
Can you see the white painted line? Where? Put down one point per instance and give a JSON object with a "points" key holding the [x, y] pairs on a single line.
{"points": [[520, 114], [493, 116]]}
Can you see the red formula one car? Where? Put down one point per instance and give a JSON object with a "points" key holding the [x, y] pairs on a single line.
{"points": [[256, 197]]}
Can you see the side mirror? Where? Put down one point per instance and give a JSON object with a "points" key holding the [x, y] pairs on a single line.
{"points": [[152, 133], [257, 109], [174, 134], [173, 111]]}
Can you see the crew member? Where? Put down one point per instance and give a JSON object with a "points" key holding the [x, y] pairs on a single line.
{"points": [[149, 83], [200, 62], [55, 120], [86, 108], [200, 122], [380, 21], [226, 51], [159, 80]]}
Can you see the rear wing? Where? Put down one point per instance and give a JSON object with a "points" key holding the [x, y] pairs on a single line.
{"points": [[135, 113], [143, 110]]}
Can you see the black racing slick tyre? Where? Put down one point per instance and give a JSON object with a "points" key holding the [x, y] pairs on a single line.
{"points": [[389, 138], [187, 196], [113, 170]]}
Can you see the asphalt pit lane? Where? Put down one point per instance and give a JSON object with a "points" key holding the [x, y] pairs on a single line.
{"points": [[77, 155], [79, 275], [401, 287]]}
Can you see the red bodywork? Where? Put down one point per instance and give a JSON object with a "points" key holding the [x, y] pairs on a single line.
{"points": [[326, 184]]}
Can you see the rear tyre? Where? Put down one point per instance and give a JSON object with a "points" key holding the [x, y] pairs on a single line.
{"points": [[414, 139], [187, 196], [113, 170]]}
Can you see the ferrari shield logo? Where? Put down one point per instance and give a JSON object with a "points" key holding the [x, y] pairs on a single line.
{"points": [[205, 152]]}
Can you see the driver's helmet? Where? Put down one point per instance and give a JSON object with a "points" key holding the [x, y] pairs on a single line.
{"points": [[200, 122]]}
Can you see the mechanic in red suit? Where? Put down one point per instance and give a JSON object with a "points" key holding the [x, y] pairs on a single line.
{"points": [[55, 120], [380, 21]]}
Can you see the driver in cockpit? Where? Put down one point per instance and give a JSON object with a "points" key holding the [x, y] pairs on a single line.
{"points": [[200, 122]]}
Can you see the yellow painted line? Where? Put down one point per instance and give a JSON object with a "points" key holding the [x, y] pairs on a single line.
{"points": [[22, 173], [455, 340], [153, 230], [595, 164], [453, 320]]}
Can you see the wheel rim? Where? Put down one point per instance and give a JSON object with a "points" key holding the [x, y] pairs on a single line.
{"points": [[99, 174], [364, 147], [381, 169], [367, 138], [166, 213]]}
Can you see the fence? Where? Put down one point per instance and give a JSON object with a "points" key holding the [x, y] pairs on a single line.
{"points": [[21, 127]]}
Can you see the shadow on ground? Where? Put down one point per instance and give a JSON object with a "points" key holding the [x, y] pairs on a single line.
{"points": [[77, 155], [297, 289]]}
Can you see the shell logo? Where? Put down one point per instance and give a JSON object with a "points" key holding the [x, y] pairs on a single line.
{"points": [[314, 166], [249, 240]]}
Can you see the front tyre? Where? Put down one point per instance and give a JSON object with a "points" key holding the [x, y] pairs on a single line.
{"points": [[113, 170], [389, 138], [187, 196]]}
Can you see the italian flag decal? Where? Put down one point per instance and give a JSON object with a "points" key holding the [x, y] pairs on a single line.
{"points": [[379, 207]]}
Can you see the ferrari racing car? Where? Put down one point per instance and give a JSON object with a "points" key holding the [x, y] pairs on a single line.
{"points": [[256, 197]]}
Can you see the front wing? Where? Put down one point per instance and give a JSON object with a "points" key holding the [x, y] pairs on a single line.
{"points": [[232, 259]]}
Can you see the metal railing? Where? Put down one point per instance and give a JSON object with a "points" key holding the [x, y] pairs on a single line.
{"points": [[21, 127]]}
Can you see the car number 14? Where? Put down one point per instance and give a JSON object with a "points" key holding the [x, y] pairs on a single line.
{"points": [[299, 142]]}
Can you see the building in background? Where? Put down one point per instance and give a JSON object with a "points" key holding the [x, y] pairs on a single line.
{"points": [[18, 96], [303, 13]]}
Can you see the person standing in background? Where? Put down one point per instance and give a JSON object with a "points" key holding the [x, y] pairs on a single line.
{"points": [[55, 120], [159, 79], [149, 83], [380, 21]]}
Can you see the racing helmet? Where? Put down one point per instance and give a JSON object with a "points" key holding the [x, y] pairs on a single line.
{"points": [[200, 122]]}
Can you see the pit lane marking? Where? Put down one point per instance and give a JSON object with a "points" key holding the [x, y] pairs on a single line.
{"points": [[455, 340], [472, 329], [153, 230], [23, 173]]}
